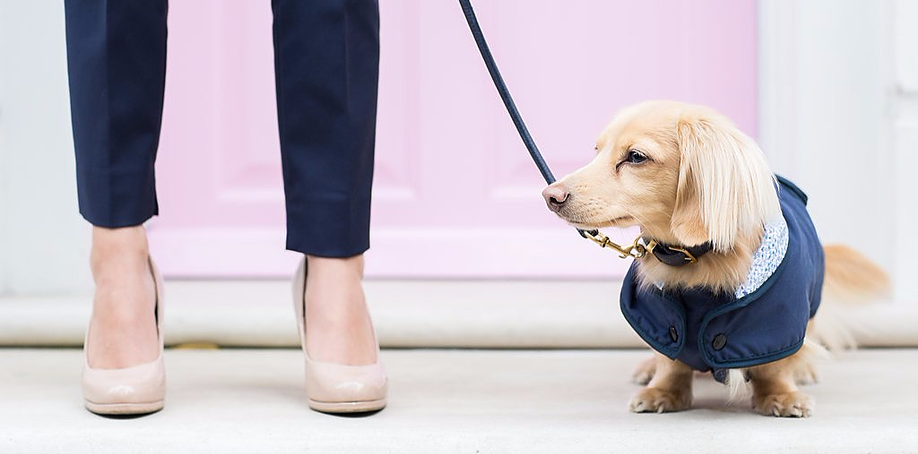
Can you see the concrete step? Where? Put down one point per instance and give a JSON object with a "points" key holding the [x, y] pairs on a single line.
{"points": [[465, 401]]}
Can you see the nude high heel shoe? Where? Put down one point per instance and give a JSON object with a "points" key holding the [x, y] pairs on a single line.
{"points": [[338, 388], [134, 390]]}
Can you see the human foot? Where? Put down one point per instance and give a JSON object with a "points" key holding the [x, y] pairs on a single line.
{"points": [[122, 331], [338, 329]]}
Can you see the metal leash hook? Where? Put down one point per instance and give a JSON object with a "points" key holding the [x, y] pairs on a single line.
{"points": [[636, 250]]}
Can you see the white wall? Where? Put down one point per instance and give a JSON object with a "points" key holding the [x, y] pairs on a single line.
{"points": [[838, 119], [43, 240], [905, 134]]}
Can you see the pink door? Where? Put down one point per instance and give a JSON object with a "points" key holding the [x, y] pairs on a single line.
{"points": [[455, 194]]}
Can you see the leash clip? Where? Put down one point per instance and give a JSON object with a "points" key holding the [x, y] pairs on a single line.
{"points": [[635, 250]]}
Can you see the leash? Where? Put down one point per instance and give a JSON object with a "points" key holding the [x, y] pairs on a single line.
{"points": [[637, 249], [504, 92]]}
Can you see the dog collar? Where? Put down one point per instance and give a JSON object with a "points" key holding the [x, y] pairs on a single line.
{"points": [[677, 256]]}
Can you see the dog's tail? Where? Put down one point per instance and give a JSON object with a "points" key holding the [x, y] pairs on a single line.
{"points": [[850, 278]]}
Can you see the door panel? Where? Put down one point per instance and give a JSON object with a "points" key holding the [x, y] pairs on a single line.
{"points": [[455, 194]]}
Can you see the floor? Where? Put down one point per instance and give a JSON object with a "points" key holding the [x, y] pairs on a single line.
{"points": [[465, 401]]}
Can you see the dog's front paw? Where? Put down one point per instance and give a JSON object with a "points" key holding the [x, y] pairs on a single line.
{"points": [[655, 400], [793, 404]]}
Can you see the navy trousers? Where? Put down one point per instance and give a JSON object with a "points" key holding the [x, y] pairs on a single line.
{"points": [[326, 56]]}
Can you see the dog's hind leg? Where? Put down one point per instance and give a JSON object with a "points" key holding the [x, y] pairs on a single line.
{"points": [[644, 371], [775, 390], [670, 389], [805, 364]]}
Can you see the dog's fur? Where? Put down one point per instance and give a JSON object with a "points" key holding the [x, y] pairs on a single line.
{"points": [[703, 180]]}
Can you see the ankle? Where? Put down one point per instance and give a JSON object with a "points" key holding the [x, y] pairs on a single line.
{"points": [[334, 288], [118, 250], [349, 268], [121, 272]]}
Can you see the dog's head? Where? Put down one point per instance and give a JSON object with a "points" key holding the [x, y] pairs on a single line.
{"points": [[683, 173]]}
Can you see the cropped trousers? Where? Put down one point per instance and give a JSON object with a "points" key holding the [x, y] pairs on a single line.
{"points": [[326, 60]]}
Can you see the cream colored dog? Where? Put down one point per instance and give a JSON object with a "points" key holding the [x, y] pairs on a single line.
{"points": [[692, 181]]}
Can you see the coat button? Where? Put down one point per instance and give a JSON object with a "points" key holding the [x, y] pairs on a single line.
{"points": [[673, 333], [719, 341]]}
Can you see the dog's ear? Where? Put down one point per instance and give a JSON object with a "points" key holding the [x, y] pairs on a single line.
{"points": [[725, 186]]}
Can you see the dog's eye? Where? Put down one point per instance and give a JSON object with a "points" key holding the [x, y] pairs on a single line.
{"points": [[635, 156]]}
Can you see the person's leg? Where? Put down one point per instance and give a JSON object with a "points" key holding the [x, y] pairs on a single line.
{"points": [[122, 332], [116, 54], [326, 69]]}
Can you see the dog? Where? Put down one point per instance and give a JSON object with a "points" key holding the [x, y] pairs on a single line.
{"points": [[731, 272]]}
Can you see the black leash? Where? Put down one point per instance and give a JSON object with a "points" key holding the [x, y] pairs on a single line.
{"points": [[504, 92], [466, 5]]}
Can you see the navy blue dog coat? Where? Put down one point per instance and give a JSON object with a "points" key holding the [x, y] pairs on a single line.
{"points": [[764, 321]]}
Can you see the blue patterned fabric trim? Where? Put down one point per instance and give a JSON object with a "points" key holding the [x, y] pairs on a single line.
{"points": [[767, 258]]}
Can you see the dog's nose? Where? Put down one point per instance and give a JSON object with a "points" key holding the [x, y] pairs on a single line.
{"points": [[555, 196]]}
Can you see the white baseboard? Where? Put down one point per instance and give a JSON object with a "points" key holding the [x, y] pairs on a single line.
{"points": [[444, 314]]}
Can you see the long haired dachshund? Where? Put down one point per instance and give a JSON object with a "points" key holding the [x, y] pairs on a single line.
{"points": [[733, 270]]}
